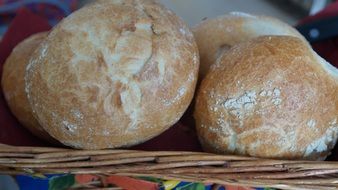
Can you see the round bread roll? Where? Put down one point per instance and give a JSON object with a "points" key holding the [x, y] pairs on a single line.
{"points": [[13, 84], [270, 97], [112, 74], [213, 36]]}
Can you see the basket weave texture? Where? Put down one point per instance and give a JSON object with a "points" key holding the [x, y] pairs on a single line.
{"points": [[172, 165]]}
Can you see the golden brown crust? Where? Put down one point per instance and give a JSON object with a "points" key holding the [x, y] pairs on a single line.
{"points": [[13, 84], [114, 73], [269, 97], [216, 35]]}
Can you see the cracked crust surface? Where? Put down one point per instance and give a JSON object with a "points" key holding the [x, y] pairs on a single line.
{"points": [[13, 84], [112, 74], [270, 97], [214, 36]]}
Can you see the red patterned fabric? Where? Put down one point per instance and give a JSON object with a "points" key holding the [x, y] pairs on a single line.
{"points": [[328, 49]]}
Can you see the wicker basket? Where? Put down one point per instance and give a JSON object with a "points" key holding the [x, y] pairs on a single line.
{"points": [[174, 165]]}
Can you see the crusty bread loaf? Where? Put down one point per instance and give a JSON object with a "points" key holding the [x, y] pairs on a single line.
{"points": [[270, 97], [112, 74], [213, 36], [13, 84]]}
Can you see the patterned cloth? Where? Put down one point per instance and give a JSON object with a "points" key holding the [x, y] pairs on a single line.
{"points": [[60, 182], [53, 10], [328, 48]]}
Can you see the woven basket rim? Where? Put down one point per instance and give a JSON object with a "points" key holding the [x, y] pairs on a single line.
{"points": [[172, 165]]}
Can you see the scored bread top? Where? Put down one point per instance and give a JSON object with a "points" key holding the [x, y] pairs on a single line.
{"points": [[114, 73]]}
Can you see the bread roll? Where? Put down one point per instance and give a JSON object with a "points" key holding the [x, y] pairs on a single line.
{"points": [[270, 97], [216, 35], [112, 74], [13, 84]]}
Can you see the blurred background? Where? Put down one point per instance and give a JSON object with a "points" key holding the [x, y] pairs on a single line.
{"points": [[289, 11], [192, 11]]}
